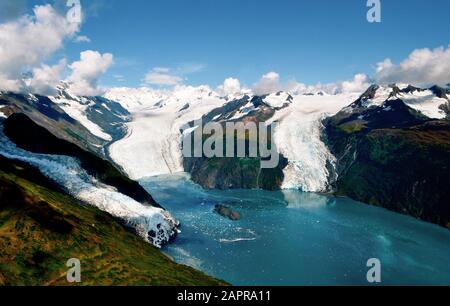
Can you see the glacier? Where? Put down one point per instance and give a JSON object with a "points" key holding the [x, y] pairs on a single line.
{"points": [[152, 146], [298, 138], [153, 142], [153, 224]]}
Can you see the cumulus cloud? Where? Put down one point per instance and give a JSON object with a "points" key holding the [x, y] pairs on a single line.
{"points": [[422, 67], [268, 83], [301, 88], [87, 71], [359, 83], [230, 86], [29, 40], [162, 76], [7, 84], [46, 78]]}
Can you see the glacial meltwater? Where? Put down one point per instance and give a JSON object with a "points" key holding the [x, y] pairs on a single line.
{"points": [[295, 238]]}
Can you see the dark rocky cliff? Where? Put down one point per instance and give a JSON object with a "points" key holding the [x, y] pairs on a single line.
{"points": [[394, 157]]}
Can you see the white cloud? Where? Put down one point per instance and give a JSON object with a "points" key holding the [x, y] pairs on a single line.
{"points": [[268, 83], [87, 71], [162, 76], [10, 85], [300, 88], [82, 38], [359, 84], [26, 42], [422, 67], [230, 86], [46, 78]]}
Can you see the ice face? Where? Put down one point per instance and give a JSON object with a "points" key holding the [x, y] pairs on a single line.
{"points": [[298, 138], [308, 156]]}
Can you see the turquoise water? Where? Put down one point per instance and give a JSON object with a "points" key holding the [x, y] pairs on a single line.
{"points": [[293, 238]]}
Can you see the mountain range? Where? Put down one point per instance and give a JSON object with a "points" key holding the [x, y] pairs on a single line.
{"points": [[389, 146]]}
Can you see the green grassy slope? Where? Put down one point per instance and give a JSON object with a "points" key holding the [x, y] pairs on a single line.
{"points": [[41, 228]]}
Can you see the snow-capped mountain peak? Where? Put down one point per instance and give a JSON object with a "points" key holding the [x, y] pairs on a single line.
{"points": [[99, 115], [139, 99], [279, 99], [431, 102]]}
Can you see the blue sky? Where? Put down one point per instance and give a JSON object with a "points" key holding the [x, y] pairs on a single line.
{"points": [[206, 41]]}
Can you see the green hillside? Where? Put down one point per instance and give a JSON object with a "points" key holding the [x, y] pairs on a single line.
{"points": [[41, 228]]}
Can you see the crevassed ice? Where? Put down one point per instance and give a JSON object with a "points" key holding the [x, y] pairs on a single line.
{"points": [[153, 224], [153, 143], [298, 138], [299, 141]]}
